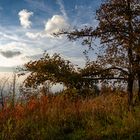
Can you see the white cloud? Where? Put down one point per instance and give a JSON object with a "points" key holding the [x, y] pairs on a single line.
{"points": [[32, 49], [53, 25], [32, 35], [14, 39], [37, 35], [24, 16]]}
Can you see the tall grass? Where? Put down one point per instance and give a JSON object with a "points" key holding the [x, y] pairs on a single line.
{"points": [[60, 118]]}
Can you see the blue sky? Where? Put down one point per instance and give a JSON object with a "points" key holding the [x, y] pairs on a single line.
{"points": [[26, 28]]}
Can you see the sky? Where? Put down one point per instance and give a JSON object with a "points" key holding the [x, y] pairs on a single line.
{"points": [[26, 29]]}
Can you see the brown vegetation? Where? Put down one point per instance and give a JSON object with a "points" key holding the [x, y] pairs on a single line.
{"points": [[59, 117]]}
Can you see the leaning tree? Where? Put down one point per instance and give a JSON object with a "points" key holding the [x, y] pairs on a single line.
{"points": [[119, 34], [56, 70]]}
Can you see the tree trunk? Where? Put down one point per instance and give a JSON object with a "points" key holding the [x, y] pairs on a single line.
{"points": [[137, 67], [130, 91], [130, 53], [2, 100], [139, 86]]}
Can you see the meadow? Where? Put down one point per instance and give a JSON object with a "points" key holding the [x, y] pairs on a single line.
{"points": [[68, 117]]}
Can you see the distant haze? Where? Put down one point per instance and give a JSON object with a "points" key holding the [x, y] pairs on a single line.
{"points": [[19, 81]]}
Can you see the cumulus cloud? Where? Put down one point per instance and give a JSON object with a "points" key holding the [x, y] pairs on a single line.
{"points": [[10, 54], [24, 16], [56, 23], [53, 25]]}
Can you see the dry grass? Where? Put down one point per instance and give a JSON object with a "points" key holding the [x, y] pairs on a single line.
{"points": [[58, 118]]}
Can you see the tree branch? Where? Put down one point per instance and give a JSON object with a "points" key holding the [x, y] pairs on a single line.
{"points": [[107, 78], [111, 68]]}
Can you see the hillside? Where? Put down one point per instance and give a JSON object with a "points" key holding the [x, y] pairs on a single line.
{"points": [[61, 117]]}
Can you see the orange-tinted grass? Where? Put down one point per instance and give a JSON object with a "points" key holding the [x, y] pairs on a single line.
{"points": [[93, 118]]}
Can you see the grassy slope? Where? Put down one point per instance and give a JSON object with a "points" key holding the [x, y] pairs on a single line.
{"points": [[59, 118]]}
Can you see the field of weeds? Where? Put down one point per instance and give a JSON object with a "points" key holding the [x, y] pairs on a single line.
{"points": [[60, 118]]}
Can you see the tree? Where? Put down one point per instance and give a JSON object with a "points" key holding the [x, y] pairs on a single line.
{"points": [[2, 86], [56, 70], [14, 89], [119, 33]]}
